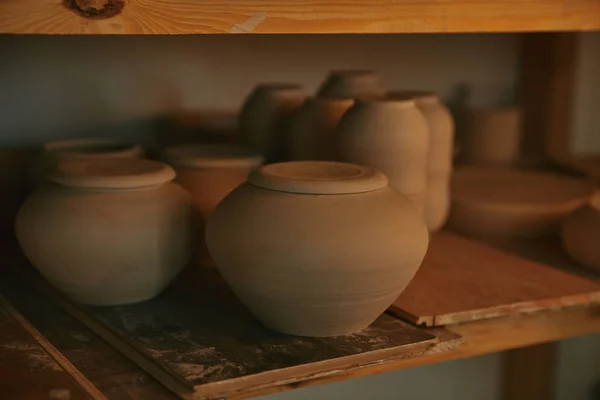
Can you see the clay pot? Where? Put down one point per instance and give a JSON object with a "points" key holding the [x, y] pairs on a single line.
{"points": [[392, 136], [352, 84], [54, 153], [265, 117], [313, 134], [107, 232], [504, 204], [581, 234], [441, 152], [321, 248], [493, 136]]}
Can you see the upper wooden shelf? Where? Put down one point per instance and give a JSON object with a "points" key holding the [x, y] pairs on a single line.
{"points": [[301, 16]]}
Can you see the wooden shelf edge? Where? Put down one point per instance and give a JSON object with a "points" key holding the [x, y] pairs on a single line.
{"points": [[315, 16]]}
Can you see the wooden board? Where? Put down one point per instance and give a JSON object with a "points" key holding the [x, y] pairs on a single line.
{"points": [[300, 16], [31, 368], [465, 280]]}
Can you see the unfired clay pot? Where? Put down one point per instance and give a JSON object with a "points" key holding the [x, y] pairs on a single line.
{"points": [[503, 204], [313, 134], [441, 152], [352, 84], [54, 153], [316, 248], [581, 234], [493, 136], [108, 232], [391, 135], [265, 117]]}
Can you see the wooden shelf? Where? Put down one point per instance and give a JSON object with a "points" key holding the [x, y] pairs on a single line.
{"points": [[303, 16]]}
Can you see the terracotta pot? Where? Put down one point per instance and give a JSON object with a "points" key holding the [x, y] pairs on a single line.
{"points": [[108, 232], [392, 136], [313, 134], [54, 153], [493, 136], [265, 117], [581, 234], [352, 84], [498, 203], [321, 248]]}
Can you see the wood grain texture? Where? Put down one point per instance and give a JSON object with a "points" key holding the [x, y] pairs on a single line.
{"points": [[529, 372], [548, 78], [465, 280], [306, 16]]}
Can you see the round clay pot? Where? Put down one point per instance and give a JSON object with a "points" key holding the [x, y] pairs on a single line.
{"points": [[581, 234], [54, 153], [352, 84], [313, 134], [316, 248], [265, 117], [107, 232], [499, 203], [391, 135], [493, 136]]}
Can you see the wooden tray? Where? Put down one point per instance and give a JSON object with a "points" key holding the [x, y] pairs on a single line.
{"points": [[465, 280]]}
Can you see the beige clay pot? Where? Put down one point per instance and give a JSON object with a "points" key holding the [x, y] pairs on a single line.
{"points": [[265, 117], [313, 134], [581, 234], [493, 136], [441, 152], [54, 153], [108, 232], [316, 248], [504, 204], [391, 135], [352, 84]]}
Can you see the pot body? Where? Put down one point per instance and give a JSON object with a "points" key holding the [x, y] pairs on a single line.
{"points": [[107, 247], [316, 265]]}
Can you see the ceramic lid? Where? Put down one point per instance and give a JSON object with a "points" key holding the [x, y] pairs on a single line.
{"points": [[211, 156], [126, 173], [318, 177]]}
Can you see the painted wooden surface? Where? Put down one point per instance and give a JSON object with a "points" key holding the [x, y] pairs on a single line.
{"points": [[465, 280], [305, 16]]}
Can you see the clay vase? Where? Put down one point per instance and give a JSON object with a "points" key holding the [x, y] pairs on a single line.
{"points": [[54, 153], [441, 152], [352, 84], [313, 134], [581, 234], [108, 232], [265, 117], [391, 135], [321, 248], [493, 136], [210, 172]]}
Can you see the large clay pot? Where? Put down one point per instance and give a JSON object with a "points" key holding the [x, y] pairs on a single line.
{"points": [[313, 134], [391, 135], [352, 84], [581, 234], [54, 153], [108, 232], [493, 136], [316, 248], [265, 117], [441, 151]]}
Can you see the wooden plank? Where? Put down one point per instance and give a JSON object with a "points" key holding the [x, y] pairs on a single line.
{"points": [[464, 280], [31, 368], [548, 81], [530, 372], [305, 16]]}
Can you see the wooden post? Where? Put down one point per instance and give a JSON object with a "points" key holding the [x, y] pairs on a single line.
{"points": [[549, 68], [529, 372]]}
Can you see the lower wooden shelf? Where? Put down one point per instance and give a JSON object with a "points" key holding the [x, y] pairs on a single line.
{"points": [[390, 345]]}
